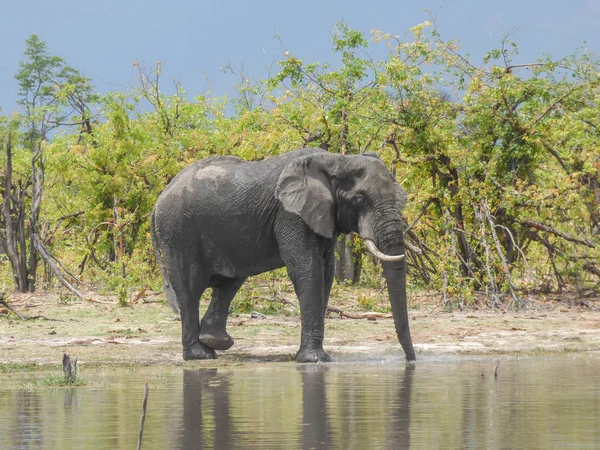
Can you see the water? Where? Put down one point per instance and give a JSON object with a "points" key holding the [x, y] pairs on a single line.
{"points": [[537, 402]]}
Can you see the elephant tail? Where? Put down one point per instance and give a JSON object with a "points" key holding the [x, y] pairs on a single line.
{"points": [[167, 287]]}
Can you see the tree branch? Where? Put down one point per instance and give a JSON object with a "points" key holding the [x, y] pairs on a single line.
{"points": [[39, 247], [549, 229], [505, 267]]}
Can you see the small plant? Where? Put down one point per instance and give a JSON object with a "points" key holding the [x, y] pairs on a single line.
{"points": [[51, 380], [243, 305], [65, 299], [366, 303], [54, 379], [122, 295]]}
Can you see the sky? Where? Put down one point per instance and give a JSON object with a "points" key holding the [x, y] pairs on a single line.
{"points": [[193, 39]]}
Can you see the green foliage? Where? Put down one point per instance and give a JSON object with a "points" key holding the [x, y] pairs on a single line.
{"points": [[501, 159], [51, 381], [51, 95], [50, 91], [263, 294]]}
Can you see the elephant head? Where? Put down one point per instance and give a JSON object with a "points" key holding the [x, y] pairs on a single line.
{"points": [[334, 194]]}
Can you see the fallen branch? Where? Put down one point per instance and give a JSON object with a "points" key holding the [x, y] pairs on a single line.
{"points": [[45, 318], [113, 341], [77, 280], [139, 295], [367, 315], [281, 300], [39, 247], [21, 316], [93, 300]]}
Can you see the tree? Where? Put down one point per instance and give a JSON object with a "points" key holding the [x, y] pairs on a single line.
{"points": [[52, 93], [500, 158]]}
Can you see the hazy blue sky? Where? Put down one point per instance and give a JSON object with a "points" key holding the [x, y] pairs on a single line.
{"points": [[193, 39]]}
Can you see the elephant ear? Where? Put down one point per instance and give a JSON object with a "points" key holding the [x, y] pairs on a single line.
{"points": [[304, 189], [401, 195]]}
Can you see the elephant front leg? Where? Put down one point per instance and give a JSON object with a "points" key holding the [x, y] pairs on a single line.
{"points": [[310, 286]]}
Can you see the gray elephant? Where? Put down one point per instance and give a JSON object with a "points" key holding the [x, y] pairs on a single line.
{"points": [[224, 219]]}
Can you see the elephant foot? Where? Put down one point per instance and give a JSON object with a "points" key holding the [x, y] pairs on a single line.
{"points": [[216, 340], [312, 355], [198, 351]]}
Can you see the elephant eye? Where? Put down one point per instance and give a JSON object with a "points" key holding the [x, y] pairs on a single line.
{"points": [[358, 200]]}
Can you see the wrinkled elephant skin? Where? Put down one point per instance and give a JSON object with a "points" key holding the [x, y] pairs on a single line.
{"points": [[224, 219]]}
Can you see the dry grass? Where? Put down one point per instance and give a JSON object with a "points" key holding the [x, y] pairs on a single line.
{"points": [[100, 332]]}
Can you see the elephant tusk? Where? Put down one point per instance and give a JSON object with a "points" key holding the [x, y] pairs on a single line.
{"points": [[378, 254]]}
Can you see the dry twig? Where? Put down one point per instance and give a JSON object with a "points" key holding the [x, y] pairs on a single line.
{"points": [[144, 405], [367, 315]]}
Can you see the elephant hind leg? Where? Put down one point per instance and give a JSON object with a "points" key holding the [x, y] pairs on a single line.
{"points": [[188, 286], [213, 331]]}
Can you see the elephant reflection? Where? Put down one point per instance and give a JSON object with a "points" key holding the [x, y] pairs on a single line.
{"points": [[195, 384], [399, 425], [208, 406], [348, 415], [316, 427]]}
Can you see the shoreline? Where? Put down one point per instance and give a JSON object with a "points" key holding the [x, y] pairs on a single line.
{"points": [[147, 334]]}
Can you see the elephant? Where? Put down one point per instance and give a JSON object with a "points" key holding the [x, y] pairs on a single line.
{"points": [[223, 219]]}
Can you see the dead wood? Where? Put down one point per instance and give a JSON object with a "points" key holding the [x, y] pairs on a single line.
{"points": [[367, 315], [41, 249], [93, 300], [69, 370], [23, 317], [549, 229], [139, 295]]}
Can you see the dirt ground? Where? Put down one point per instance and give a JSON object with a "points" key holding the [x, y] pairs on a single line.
{"points": [[99, 332]]}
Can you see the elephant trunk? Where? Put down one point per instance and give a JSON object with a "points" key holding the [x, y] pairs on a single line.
{"points": [[391, 242], [395, 275]]}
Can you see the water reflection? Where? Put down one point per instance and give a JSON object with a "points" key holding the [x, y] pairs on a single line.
{"points": [[308, 406], [399, 426], [458, 403], [316, 428], [27, 417], [207, 385]]}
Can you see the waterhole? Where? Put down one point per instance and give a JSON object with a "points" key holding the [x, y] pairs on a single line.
{"points": [[494, 403]]}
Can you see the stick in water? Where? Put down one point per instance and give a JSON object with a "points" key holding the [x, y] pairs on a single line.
{"points": [[139, 446]]}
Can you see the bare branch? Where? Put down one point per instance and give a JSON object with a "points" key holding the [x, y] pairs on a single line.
{"points": [[505, 267], [39, 247], [549, 229]]}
